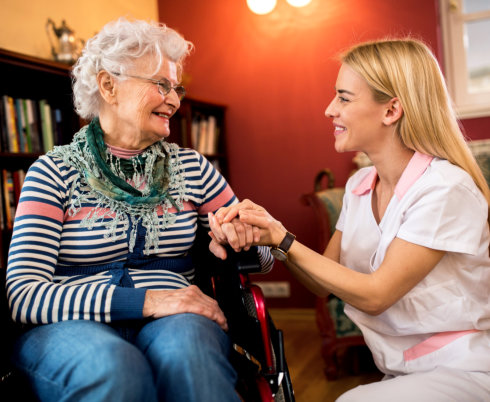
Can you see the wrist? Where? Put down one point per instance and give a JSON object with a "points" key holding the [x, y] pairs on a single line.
{"points": [[280, 252]]}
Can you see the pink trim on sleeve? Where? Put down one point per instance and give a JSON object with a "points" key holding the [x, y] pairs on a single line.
{"points": [[434, 343], [217, 202]]}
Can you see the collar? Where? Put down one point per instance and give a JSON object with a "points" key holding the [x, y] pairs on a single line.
{"points": [[123, 152], [415, 168]]}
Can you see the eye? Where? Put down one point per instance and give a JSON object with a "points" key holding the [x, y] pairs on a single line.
{"points": [[342, 99]]}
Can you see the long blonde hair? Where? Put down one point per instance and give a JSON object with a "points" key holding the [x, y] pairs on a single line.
{"points": [[407, 69]]}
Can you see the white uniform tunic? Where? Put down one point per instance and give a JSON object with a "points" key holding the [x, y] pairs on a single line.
{"points": [[445, 319]]}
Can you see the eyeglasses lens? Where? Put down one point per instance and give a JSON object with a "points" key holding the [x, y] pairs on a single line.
{"points": [[165, 87]]}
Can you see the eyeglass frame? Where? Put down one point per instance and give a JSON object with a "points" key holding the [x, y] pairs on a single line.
{"points": [[158, 83]]}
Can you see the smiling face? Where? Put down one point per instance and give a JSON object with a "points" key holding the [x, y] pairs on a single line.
{"points": [[357, 117], [140, 115]]}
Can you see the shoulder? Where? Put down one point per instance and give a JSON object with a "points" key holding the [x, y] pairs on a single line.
{"points": [[191, 160], [188, 155], [51, 162], [442, 178]]}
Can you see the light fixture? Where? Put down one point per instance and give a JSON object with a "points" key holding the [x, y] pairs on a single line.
{"points": [[298, 3], [261, 7]]}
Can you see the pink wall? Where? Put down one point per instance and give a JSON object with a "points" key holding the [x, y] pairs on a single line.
{"points": [[277, 73]]}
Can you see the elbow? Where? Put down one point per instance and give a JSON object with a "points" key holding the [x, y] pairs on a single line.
{"points": [[374, 307]]}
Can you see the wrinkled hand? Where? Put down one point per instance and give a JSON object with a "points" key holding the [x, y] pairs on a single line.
{"points": [[265, 229], [239, 235], [162, 303]]}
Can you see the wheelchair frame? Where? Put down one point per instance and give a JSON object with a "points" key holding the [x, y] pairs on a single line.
{"points": [[258, 353]]}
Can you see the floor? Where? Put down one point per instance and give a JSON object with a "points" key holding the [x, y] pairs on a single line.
{"points": [[303, 354]]}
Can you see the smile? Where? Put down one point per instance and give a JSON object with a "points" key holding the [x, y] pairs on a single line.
{"points": [[339, 129], [165, 116]]}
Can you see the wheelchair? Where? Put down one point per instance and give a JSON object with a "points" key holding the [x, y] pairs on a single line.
{"points": [[258, 349], [257, 354]]}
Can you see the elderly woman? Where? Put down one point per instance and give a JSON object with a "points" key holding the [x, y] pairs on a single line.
{"points": [[98, 265], [410, 256]]}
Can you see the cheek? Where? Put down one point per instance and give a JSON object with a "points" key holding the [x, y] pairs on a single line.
{"points": [[145, 104]]}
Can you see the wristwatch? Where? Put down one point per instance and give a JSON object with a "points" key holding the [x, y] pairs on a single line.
{"points": [[281, 252]]}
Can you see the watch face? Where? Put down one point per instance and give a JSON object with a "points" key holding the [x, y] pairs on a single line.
{"points": [[279, 254]]}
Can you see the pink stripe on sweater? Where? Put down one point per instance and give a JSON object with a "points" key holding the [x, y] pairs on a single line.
{"points": [[82, 213], [434, 343], [222, 199], [39, 208]]}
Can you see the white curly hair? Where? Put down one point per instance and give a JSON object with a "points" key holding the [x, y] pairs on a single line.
{"points": [[114, 49]]}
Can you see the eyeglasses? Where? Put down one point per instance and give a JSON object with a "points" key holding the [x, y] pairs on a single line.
{"points": [[164, 85]]}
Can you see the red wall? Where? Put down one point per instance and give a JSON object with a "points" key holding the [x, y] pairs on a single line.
{"points": [[277, 74]]}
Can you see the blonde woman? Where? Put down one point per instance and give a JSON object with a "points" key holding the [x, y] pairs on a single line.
{"points": [[410, 254]]}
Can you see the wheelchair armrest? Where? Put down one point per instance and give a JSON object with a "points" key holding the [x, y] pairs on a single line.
{"points": [[246, 262]]}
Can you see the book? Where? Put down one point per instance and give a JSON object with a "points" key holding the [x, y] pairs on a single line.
{"points": [[194, 133], [35, 123], [21, 124], [3, 129], [202, 140], [46, 125], [16, 182], [13, 143], [2, 209], [57, 126], [28, 122], [211, 136], [9, 200]]}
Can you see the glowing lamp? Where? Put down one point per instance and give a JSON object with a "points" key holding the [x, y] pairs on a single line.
{"points": [[261, 7], [298, 3]]}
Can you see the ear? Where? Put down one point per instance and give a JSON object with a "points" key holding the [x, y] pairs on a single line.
{"points": [[107, 86], [393, 111]]}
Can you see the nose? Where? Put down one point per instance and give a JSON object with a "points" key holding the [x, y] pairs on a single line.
{"points": [[330, 110], [172, 99]]}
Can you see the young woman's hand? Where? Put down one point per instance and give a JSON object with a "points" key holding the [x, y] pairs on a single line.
{"points": [[260, 227]]}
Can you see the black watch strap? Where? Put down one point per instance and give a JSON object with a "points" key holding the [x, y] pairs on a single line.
{"points": [[286, 243]]}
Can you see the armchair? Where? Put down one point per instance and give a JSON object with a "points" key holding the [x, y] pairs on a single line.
{"points": [[337, 331]]}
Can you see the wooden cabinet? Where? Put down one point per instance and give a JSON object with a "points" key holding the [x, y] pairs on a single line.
{"points": [[29, 78]]}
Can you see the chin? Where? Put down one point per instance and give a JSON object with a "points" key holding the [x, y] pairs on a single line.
{"points": [[340, 148]]}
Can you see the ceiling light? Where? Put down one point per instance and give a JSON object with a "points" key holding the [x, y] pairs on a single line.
{"points": [[298, 3], [261, 7]]}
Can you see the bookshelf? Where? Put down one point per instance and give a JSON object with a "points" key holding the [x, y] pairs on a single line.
{"points": [[29, 83], [27, 77], [201, 125]]}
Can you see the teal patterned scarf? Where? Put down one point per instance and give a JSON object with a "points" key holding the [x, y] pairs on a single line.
{"points": [[131, 189]]}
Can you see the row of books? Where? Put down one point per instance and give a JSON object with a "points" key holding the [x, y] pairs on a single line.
{"points": [[204, 135], [28, 125], [10, 186]]}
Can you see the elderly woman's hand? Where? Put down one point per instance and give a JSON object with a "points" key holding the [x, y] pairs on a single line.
{"points": [[162, 303], [238, 235], [265, 230]]}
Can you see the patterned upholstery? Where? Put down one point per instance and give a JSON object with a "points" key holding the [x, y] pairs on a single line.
{"points": [[481, 151], [336, 329], [332, 200]]}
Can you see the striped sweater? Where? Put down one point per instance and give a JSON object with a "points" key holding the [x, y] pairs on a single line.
{"points": [[49, 277]]}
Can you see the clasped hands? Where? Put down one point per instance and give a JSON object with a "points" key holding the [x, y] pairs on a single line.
{"points": [[241, 226]]}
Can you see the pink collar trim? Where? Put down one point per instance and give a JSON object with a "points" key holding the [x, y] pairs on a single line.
{"points": [[415, 168], [122, 152]]}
